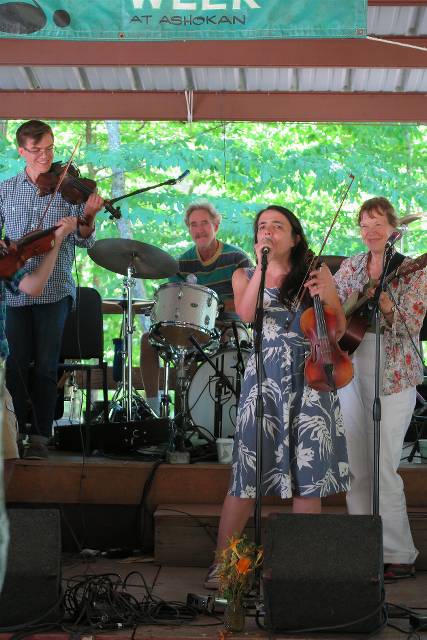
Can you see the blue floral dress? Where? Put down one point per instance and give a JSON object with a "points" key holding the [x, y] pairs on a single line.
{"points": [[304, 446]]}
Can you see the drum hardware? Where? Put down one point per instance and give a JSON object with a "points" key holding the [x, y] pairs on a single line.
{"points": [[132, 405], [219, 373], [147, 261], [115, 305], [201, 392], [165, 398], [221, 383], [133, 259]]}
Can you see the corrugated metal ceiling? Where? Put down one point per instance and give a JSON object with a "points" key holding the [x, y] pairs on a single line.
{"points": [[348, 79], [382, 21]]}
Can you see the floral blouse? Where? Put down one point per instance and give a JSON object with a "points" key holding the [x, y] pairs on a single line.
{"points": [[402, 366]]}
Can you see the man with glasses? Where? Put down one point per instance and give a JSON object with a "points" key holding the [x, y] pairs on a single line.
{"points": [[34, 326]]}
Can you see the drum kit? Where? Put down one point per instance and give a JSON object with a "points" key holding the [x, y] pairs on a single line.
{"points": [[183, 329]]}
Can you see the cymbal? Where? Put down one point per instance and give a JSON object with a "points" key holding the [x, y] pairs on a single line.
{"points": [[410, 218], [116, 305], [117, 254]]}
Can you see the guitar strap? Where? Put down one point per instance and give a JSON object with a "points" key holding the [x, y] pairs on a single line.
{"points": [[395, 262]]}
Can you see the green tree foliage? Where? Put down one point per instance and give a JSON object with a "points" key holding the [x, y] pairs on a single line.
{"points": [[240, 167]]}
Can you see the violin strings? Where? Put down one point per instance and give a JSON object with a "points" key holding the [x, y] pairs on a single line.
{"points": [[78, 182], [61, 178]]}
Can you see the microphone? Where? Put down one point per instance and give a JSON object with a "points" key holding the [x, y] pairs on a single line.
{"points": [[191, 278], [395, 236], [265, 251], [183, 175]]}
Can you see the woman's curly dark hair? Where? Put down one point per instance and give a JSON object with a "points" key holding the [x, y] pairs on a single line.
{"points": [[300, 256]]}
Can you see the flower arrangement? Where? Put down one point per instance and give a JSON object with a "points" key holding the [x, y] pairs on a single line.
{"points": [[237, 565]]}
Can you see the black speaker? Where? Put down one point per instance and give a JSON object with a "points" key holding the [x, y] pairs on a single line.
{"points": [[32, 585], [114, 437], [323, 571]]}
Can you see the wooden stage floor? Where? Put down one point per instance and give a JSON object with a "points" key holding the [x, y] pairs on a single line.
{"points": [[174, 583], [105, 494]]}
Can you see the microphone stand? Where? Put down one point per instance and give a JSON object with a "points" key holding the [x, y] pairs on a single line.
{"points": [[115, 211], [259, 410], [376, 407]]}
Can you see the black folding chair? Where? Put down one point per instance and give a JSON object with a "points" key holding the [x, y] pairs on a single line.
{"points": [[83, 339]]}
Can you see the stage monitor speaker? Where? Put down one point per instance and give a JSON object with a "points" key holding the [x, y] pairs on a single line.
{"points": [[32, 586], [323, 571]]}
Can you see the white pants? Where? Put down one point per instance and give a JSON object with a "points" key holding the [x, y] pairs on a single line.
{"points": [[396, 412]]}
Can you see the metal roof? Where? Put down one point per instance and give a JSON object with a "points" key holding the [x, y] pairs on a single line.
{"points": [[253, 80]]}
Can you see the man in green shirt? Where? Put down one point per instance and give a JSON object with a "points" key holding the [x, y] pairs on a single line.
{"points": [[212, 264]]}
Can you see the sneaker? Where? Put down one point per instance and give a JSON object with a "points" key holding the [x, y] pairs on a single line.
{"points": [[397, 571], [212, 578], [36, 451]]}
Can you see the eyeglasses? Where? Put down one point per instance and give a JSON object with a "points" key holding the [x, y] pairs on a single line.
{"points": [[38, 152]]}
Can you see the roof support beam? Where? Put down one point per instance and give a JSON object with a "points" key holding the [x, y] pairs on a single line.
{"points": [[265, 53], [397, 3], [260, 106]]}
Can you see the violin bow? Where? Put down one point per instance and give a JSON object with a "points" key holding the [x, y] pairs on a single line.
{"points": [[301, 291], [60, 180]]}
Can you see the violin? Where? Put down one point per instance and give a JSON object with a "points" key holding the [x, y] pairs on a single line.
{"points": [[35, 243], [327, 368], [73, 188]]}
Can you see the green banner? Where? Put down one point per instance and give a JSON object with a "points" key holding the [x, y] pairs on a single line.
{"points": [[157, 20]]}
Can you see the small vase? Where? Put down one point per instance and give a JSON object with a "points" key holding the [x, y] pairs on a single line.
{"points": [[234, 616]]}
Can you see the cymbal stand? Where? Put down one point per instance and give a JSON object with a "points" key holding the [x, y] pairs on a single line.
{"points": [[182, 420], [165, 399], [129, 283], [125, 388]]}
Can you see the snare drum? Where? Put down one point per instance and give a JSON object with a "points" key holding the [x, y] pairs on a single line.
{"points": [[182, 310], [201, 392]]}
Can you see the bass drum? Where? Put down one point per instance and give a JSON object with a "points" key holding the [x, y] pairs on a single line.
{"points": [[201, 392]]}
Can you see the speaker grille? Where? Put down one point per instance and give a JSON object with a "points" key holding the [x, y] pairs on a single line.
{"points": [[32, 583], [323, 571]]}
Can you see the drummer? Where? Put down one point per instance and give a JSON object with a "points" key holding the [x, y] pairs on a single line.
{"points": [[213, 263]]}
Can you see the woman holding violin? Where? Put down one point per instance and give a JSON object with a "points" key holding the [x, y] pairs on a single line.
{"points": [[304, 453], [34, 326], [400, 371]]}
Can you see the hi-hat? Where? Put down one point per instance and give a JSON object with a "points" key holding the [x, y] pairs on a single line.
{"points": [[410, 218], [116, 305], [147, 261]]}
